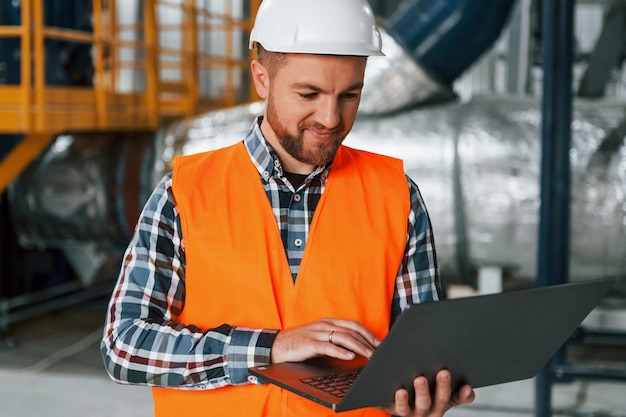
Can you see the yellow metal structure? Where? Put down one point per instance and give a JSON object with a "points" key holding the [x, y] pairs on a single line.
{"points": [[37, 110]]}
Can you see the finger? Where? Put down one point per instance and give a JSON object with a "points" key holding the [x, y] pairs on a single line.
{"points": [[304, 342], [313, 339], [328, 346], [402, 407], [465, 395], [422, 396], [443, 393], [350, 335], [368, 336], [351, 341]]}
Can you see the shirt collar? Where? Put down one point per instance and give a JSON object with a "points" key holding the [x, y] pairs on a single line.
{"points": [[265, 158]]}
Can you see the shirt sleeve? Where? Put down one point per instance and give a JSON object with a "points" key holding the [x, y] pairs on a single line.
{"points": [[418, 277], [144, 342]]}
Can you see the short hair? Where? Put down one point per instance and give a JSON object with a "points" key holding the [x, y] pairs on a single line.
{"points": [[273, 61]]}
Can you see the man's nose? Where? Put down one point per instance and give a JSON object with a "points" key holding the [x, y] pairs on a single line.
{"points": [[328, 112]]}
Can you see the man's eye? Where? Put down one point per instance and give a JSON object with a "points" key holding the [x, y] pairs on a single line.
{"points": [[308, 96], [350, 97]]}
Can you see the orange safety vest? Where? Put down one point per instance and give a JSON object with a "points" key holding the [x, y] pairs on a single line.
{"points": [[237, 271]]}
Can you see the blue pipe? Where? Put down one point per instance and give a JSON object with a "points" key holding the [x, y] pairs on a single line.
{"points": [[554, 213], [445, 37]]}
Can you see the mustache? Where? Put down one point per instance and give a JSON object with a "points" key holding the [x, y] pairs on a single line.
{"points": [[318, 127]]}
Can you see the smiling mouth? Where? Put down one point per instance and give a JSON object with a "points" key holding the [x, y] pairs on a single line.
{"points": [[322, 135]]}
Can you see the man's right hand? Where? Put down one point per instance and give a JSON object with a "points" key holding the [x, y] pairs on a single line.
{"points": [[341, 339]]}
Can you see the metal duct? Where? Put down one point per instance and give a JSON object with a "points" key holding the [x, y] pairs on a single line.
{"points": [[477, 164], [395, 81], [84, 196], [85, 187], [428, 44], [445, 37]]}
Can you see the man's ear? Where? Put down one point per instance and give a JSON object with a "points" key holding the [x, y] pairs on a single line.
{"points": [[261, 78]]}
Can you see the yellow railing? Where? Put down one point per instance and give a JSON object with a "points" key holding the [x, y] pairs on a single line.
{"points": [[34, 107], [37, 110]]}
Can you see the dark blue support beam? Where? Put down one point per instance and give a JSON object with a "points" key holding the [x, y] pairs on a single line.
{"points": [[554, 222]]}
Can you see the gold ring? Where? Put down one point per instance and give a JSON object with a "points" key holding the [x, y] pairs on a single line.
{"points": [[330, 336]]}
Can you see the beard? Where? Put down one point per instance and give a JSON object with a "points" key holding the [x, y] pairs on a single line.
{"points": [[294, 144]]}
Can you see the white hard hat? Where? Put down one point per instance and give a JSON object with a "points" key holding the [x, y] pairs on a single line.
{"points": [[330, 27]]}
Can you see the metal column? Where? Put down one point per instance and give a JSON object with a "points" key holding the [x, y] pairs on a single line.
{"points": [[554, 223]]}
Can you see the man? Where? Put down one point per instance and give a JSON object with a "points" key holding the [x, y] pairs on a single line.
{"points": [[283, 247]]}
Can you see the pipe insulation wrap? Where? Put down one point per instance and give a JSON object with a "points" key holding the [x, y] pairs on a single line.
{"points": [[479, 161], [476, 163]]}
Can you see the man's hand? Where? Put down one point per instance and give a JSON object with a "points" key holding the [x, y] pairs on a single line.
{"points": [[341, 339], [423, 405]]}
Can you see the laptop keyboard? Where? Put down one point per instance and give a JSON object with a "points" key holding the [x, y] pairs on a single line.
{"points": [[336, 385]]}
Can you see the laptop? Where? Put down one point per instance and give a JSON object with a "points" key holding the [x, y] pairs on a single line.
{"points": [[482, 340]]}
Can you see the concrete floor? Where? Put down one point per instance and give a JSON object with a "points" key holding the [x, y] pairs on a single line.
{"points": [[54, 369]]}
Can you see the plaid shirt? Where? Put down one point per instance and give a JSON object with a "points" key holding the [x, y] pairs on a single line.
{"points": [[144, 342]]}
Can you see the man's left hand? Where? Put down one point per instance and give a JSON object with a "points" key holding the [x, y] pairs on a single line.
{"points": [[423, 405]]}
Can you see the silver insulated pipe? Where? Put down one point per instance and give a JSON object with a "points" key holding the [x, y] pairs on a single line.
{"points": [[476, 162], [477, 165]]}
